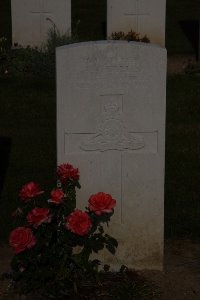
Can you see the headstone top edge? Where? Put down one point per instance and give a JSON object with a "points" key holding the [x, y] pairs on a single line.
{"points": [[109, 42]]}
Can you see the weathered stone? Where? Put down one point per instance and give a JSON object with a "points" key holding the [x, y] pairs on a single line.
{"points": [[143, 16], [31, 20], [111, 125]]}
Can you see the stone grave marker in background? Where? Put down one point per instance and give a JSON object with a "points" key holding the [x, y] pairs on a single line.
{"points": [[111, 125], [31, 20], [146, 17]]}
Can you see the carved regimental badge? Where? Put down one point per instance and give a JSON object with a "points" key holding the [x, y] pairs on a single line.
{"points": [[112, 133]]}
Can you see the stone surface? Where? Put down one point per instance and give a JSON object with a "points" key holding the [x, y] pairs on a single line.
{"points": [[31, 19], [111, 124], [143, 16]]}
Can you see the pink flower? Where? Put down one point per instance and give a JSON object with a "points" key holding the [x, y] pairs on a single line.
{"points": [[79, 222], [38, 216], [101, 203], [29, 191], [57, 196], [21, 238], [67, 172]]}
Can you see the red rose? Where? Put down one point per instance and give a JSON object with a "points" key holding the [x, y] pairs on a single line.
{"points": [[79, 222], [21, 238], [57, 196], [67, 172], [30, 190], [38, 216], [101, 203]]}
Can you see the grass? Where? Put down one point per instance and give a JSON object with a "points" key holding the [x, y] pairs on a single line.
{"points": [[182, 189], [28, 117]]}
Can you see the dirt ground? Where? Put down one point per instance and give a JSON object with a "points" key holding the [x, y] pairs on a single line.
{"points": [[180, 279]]}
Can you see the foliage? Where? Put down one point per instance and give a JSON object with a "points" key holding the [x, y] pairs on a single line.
{"points": [[182, 205], [39, 62], [4, 55], [31, 61], [53, 241], [55, 39], [36, 62], [130, 36]]}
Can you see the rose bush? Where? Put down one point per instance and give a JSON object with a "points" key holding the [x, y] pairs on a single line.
{"points": [[101, 203], [21, 238], [57, 196], [48, 233], [29, 191], [79, 222], [67, 172], [38, 216]]}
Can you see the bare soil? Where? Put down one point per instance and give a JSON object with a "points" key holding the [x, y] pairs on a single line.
{"points": [[180, 279]]}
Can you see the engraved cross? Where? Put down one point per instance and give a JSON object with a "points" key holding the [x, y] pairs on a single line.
{"points": [[110, 143], [41, 12], [137, 13]]}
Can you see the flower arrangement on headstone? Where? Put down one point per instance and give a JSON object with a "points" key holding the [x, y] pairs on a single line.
{"points": [[130, 36], [53, 241]]}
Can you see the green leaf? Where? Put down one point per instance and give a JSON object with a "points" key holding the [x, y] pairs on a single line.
{"points": [[77, 184], [106, 268], [110, 248], [101, 229], [111, 240], [123, 269]]}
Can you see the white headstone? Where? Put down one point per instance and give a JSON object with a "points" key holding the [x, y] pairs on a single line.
{"points": [[111, 125], [31, 19], [146, 17]]}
